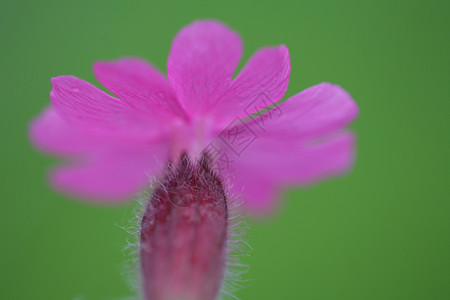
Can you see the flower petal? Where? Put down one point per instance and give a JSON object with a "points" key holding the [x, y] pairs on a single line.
{"points": [[109, 168], [110, 177], [261, 83], [272, 163], [298, 142], [202, 60], [89, 109], [51, 134], [296, 162], [314, 112], [140, 85], [260, 194]]}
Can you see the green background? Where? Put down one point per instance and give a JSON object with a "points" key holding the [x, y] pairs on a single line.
{"points": [[380, 232]]}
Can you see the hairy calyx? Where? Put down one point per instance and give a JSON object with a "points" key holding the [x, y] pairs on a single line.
{"points": [[184, 233]]}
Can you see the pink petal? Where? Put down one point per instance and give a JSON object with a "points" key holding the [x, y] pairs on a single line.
{"points": [[271, 163], [260, 194], [51, 134], [91, 110], [109, 168], [300, 162], [110, 177], [140, 85], [316, 111], [261, 83], [298, 142], [202, 60]]}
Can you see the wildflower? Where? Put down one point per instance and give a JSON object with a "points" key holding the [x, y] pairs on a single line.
{"points": [[114, 143], [192, 131]]}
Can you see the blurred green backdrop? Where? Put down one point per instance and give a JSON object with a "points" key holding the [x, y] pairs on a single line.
{"points": [[380, 232]]}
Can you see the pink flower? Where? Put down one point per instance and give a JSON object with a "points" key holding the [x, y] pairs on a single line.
{"points": [[113, 144]]}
